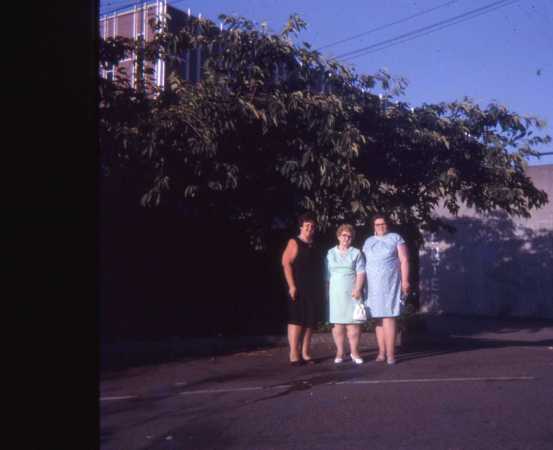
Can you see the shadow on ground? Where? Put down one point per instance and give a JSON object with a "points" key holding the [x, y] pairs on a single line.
{"points": [[114, 357], [435, 335]]}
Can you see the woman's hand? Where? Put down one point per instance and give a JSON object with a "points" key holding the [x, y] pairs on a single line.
{"points": [[356, 293], [405, 287], [292, 292]]}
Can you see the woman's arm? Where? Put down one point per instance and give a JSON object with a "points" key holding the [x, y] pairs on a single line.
{"points": [[404, 265], [288, 257], [327, 277], [359, 280], [360, 276]]}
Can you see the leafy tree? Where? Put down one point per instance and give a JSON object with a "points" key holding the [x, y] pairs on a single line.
{"points": [[274, 128]]}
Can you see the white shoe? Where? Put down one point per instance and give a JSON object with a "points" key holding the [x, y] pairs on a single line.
{"points": [[357, 360], [391, 361], [338, 360]]}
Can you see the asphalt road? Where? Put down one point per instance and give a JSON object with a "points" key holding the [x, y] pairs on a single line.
{"points": [[463, 384]]}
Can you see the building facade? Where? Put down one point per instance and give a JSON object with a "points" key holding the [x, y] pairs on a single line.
{"points": [[134, 22]]}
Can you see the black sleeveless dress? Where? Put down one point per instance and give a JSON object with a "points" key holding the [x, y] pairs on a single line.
{"points": [[308, 273]]}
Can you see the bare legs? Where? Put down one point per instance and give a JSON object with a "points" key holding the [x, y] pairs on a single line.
{"points": [[389, 325], [294, 333], [379, 331], [306, 344], [353, 331], [298, 351], [386, 338], [339, 337]]}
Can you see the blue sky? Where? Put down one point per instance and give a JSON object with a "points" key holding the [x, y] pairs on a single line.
{"points": [[503, 53]]}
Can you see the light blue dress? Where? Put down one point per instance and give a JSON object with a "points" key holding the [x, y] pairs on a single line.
{"points": [[383, 275], [342, 271]]}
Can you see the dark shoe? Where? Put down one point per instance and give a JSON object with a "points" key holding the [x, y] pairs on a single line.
{"points": [[310, 361], [297, 363]]}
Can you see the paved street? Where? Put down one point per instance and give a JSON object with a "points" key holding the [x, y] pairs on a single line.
{"points": [[461, 384]]}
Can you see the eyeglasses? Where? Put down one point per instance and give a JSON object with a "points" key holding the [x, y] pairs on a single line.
{"points": [[346, 235], [380, 224]]}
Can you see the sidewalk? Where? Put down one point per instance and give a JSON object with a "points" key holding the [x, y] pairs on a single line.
{"points": [[134, 352], [428, 329]]}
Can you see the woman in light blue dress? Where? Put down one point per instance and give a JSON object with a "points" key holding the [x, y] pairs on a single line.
{"points": [[345, 276], [387, 268]]}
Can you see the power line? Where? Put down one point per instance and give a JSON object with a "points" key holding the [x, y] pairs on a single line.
{"points": [[425, 30], [382, 27], [392, 44]]}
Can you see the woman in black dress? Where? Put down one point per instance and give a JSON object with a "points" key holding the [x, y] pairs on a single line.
{"points": [[303, 270]]}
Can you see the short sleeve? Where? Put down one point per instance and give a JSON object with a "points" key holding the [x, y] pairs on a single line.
{"points": [[365, 247], [360, 262], [399, 240]]}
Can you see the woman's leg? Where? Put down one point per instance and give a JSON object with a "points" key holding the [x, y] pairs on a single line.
{"points": [[379, 331], [306, 343], [339, 338], [294, 333], [354, 333], [389, 325]]}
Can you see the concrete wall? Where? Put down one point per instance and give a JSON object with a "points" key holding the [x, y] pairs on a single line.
{"points": [[493, 265]]}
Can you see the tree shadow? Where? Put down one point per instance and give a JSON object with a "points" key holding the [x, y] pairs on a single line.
{"points": [[420, 347], [489, 267], [166, 352]]}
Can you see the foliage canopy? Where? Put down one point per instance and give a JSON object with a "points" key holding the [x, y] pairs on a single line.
{"points": [[274, 128]]}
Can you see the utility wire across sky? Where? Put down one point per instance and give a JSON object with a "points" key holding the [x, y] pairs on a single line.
{"points": [[382, 27], [405, 37]]}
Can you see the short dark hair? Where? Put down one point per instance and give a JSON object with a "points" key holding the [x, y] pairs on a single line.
{"points": [[379, 215], [307, 217]]}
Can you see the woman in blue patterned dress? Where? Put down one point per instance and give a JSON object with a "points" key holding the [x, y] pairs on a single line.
{"points": [[345, 276], [387, 268]]}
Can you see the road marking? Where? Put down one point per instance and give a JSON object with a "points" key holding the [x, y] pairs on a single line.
{"points": [[219, 391], [121, 397], [434, 380]]}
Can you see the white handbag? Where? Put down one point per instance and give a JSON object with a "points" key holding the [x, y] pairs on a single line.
{"points": [[359, 312]]}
